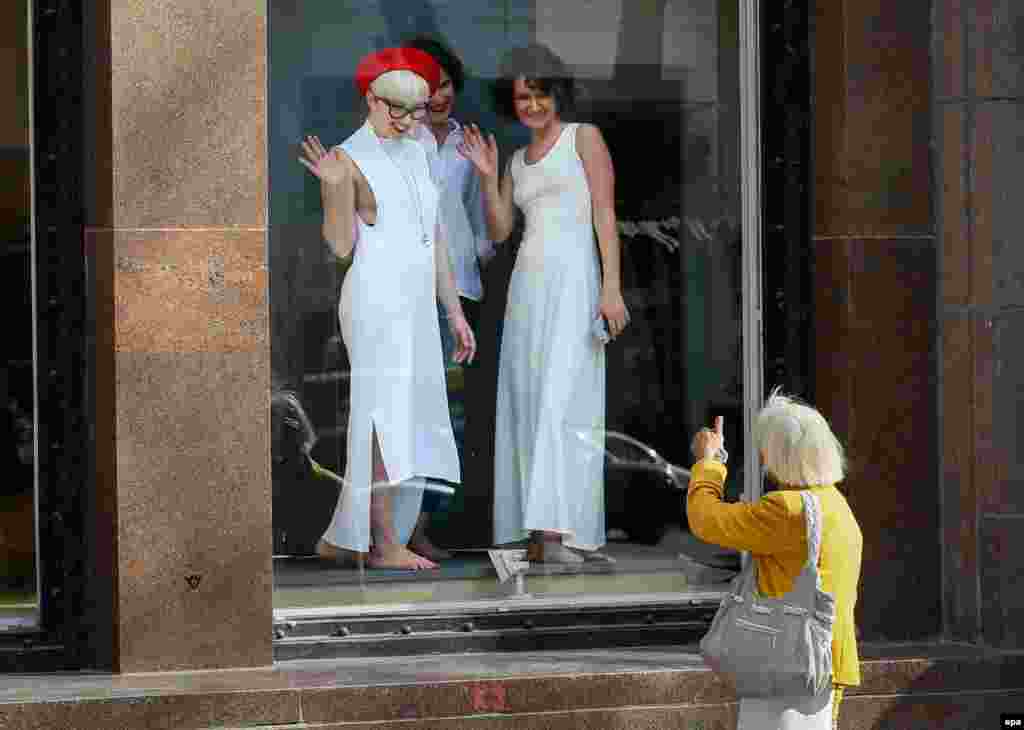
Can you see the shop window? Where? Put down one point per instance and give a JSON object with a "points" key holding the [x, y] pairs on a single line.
{"points": [[662, 83]]}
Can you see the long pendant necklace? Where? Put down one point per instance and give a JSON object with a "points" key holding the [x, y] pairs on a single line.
{"points": [[414, 189]]}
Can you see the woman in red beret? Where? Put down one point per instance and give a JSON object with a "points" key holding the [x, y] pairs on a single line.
{"points": [[380, 207]]}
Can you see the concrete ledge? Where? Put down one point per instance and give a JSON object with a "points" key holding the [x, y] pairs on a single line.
{"points": [[905, 686]]}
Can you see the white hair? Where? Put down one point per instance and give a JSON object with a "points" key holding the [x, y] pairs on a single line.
{"points": [[796, 443], [402, 87]]}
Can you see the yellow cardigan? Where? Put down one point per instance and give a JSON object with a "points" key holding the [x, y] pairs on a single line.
{"points": [[774, 532]]}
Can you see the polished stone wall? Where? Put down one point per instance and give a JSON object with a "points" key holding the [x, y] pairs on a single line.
{"points": [[979, 102], [919, 287], [875, 275], [178, 244]]}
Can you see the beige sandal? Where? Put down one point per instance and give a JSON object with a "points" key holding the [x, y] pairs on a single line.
{"points": [[552, 552]]}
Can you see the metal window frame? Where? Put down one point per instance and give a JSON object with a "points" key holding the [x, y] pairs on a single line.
{"points": [[752, 182]]}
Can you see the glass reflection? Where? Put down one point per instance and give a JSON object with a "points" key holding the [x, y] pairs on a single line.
{"points": [[18, 598], [625, 452], [663, 89]]}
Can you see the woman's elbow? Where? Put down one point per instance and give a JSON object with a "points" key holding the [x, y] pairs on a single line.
{"points": [[696, 521], [341, 245], [605, 219]]}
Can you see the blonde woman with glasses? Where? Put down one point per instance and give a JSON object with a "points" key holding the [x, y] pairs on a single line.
{"points": [[381, 208]]}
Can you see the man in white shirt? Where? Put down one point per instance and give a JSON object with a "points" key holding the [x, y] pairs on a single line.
{"points": [[462, 213]]}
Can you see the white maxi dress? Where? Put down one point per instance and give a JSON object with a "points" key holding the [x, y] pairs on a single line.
{"points": [[388, 315], [551, 377]]}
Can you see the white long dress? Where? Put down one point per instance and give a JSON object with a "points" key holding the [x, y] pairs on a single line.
{"points": [[388, 314], [551, 378]]}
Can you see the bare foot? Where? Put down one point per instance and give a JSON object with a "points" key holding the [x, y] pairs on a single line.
{"points": [[421, 544], [398, 557], [341, 556]]}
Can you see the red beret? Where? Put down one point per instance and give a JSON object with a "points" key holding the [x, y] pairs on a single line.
{"points": [[392, 59]]}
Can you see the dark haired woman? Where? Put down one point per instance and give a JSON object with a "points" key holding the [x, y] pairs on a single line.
{"points": [[551, 382]]}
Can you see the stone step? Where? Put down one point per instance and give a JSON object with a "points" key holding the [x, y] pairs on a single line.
{"points": [[943, 711], [905, 687]]}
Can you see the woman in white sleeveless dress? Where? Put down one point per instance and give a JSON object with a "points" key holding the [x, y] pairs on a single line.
{"points": [[381, 206], [549, 484]]}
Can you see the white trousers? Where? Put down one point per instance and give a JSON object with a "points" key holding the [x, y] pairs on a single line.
{"points": [[785, 713]]}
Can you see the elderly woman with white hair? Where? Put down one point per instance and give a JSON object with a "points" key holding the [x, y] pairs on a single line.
{"points": [[381, 207], [799, 451]]}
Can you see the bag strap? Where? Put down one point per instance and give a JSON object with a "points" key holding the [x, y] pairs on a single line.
{"points": [[813, 520]]}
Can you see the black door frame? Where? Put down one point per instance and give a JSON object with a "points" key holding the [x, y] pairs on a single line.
{"points": [[63, 425]]}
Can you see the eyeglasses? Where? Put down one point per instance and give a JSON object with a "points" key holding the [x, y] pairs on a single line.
{"points": [[397, 111]]}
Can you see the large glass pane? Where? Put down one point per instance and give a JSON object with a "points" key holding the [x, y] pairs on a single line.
{"points": [[660, 80], [18, 596]]}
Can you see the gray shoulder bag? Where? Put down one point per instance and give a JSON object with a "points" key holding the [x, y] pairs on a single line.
{"points": [[776, 647]]}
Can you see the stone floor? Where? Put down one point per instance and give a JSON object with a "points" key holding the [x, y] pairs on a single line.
{"points": [[678, 563]]}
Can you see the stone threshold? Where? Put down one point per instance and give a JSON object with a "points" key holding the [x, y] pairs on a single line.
{"points": [[933, 685]]}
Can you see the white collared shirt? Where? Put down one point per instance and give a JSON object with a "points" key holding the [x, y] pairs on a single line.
{"points": [[462, 208]]}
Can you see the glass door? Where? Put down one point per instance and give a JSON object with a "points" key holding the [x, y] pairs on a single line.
{"points": [[19, 603]]}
